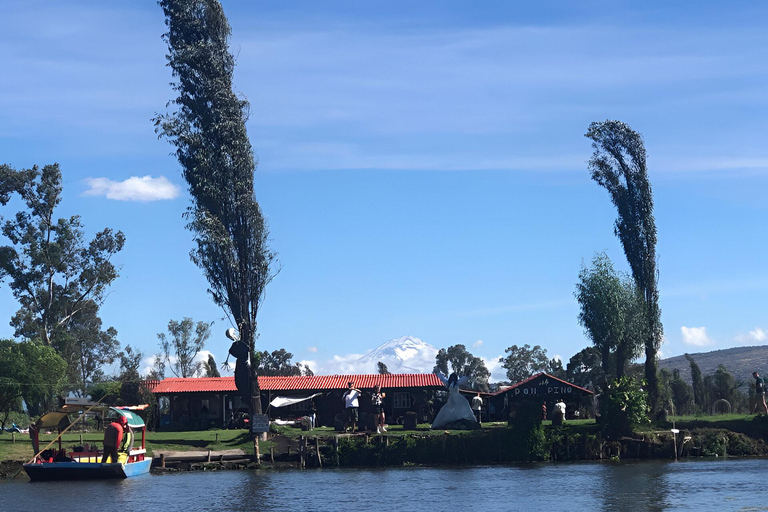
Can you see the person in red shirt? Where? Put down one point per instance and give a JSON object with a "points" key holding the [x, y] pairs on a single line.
{"points": [[113, 435]]}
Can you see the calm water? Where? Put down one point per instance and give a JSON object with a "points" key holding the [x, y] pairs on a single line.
{"points": [[627, 486]]}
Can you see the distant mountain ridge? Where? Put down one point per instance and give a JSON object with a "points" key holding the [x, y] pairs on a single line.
{"points": [[740, 362]]}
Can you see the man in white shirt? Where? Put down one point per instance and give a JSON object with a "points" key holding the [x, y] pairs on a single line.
{"points": [[559, 416], [351, 405], [477, 406]]}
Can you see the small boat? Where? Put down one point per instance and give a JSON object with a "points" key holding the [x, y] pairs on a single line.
{"points": [[86, 465]]}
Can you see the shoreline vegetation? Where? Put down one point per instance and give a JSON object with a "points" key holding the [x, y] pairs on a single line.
{"points": [[495, 443]]}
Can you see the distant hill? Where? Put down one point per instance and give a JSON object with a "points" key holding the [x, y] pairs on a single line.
{"points": [[740, 362]]}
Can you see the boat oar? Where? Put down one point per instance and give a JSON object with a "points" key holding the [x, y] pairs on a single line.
{"points": [[66, 429]]}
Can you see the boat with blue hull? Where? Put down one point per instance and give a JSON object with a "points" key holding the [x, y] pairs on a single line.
{"points": [[85, 463]]}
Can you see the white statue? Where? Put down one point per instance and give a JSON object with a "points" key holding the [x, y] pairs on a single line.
{"points": [[457, 407]]}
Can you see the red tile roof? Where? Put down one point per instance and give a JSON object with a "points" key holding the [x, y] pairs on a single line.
{"points": [[227, 384]]}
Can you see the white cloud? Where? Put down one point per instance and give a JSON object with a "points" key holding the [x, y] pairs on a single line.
{"points": [[312, 349], [696, 336], [135, 188], [311, 363], [494, 366], [478, 343], [754, 337]]}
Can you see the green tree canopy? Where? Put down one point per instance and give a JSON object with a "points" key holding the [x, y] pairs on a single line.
{"points": [[209, 133], [611, 314], [697, 380], [523, 362], [278, 363], [184, 342], [87, 348], [459, 360], [585, 369], [33, 372], [209, 367], [618, 164], [53, 273]]}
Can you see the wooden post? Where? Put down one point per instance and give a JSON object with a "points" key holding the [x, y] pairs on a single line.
{"points": [[13, 437], [209, 455], [317, 450], [217, 438], [336, 448], [386, 441], [272, 454], [256, 452], [304, 453], [81, 439], [162, 460], [301, 452]]}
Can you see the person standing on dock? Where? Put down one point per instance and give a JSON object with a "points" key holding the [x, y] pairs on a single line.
{"points": [[351, 406], [113, 436], [759, 392]]}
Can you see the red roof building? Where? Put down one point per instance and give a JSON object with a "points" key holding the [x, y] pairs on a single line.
{"points": [[310, 383], [201, 403]]}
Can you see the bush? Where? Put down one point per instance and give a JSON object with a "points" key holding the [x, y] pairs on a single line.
{"points": [[624, 406]]}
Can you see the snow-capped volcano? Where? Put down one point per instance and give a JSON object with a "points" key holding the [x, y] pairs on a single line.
{"points": [[401, 355]]}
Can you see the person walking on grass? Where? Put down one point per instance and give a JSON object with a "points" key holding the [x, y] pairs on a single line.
{"points": [[759, 393], [377, 400], [351, 406]]}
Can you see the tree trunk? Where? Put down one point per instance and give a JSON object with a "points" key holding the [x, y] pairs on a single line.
{"points": [[651, 373]]}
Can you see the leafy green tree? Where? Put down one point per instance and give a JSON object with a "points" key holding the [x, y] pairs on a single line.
{"points": [[278, 363], [210, 367], [179, 349], [11, 381], [722, 385], [555, 368], [381, 368], [217, 160], [523, 362], [625, 406], [33, 372], [585, 369], [87, 348], [50, 269], [611, 314], [681, 394], [131, 392], [618, 164], [108, 391], [461, 361], [699, 391]]}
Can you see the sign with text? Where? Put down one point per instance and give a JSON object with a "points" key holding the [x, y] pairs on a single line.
{"points": [[546, 387], [259, 423]]}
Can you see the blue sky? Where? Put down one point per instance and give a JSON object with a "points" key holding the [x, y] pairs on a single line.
{"points": [[422, 164]]}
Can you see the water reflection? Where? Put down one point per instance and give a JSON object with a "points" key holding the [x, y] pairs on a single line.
{"points": [[643, 484], [608, 486]]}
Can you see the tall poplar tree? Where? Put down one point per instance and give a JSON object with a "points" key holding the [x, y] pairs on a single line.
{"points": [[217, 160], [618, 164]]}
